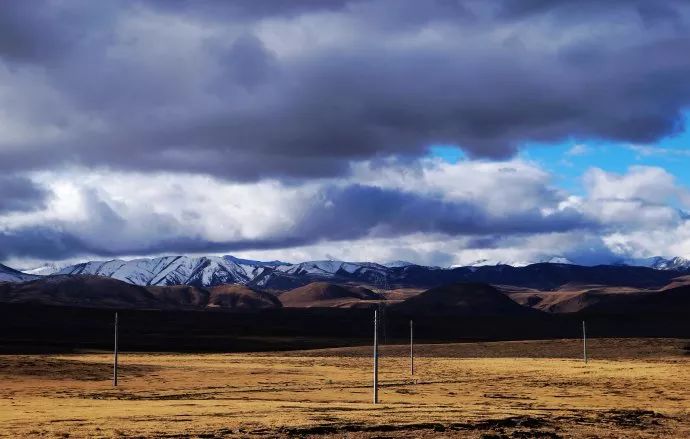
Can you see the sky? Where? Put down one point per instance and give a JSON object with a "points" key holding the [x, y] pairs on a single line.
{"points": [[440, 132]]}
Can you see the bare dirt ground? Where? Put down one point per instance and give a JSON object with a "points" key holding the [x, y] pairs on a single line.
{"points": [[631, 388]]}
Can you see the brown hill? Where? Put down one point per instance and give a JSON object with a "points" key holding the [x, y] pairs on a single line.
{"points": [[678, 282], [180, 295], [666, 301], [462, 298], [569, 298], [89, 291], [241, 297], [555, 302], [324, 294], [673, 298], [81, 291]]}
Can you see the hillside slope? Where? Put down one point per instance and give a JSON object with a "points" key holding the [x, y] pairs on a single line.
{"points": [[81, 291], [324, 294], [241, 297], [8, 274], [90, 291], [463, 299]]}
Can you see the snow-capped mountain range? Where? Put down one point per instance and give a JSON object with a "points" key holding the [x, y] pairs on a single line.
{"points": [[677, 263], [207, 271], [518, 263], [176, 270]]}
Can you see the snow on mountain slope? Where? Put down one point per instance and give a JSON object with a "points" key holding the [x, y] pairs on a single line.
{"points": [[8, 274], [208, 271], [517, 263], [253, 263], [171, 270], [46, 269], [677, 263], [397, 264], [331, 268]]}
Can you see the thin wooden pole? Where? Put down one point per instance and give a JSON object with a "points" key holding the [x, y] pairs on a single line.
{"points": [[115, 355], [584, 341], [376, 357], [411, 348]]}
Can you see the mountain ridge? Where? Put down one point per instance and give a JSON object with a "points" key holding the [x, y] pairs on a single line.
{"points": [[208, 271], [8, 274]]}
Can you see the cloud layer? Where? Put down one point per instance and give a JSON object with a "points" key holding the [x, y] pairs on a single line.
{"points": [[433, 212], [250, 90], [19, 193], [300, 129]]}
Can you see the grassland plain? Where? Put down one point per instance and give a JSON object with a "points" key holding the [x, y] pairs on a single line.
{"points": [[630, 388]]}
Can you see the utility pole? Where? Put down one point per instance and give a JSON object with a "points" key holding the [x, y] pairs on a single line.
{"points": [[584, 341], [376, 357], [115, 355], [411, 348]]}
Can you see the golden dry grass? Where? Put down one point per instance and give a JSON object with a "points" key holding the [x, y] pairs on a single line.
{"points": [[328, 392]]}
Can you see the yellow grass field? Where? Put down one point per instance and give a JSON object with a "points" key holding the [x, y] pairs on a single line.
{"points": [[631, 388]]}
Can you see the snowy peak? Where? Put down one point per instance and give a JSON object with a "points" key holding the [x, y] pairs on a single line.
{"points": [[518, 263], [677, 263], [46, 269]]}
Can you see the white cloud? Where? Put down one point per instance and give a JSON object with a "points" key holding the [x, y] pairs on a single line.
{"points": [[628, 214], [502, 187], [578, 150], [646, 183], [648, 151]]}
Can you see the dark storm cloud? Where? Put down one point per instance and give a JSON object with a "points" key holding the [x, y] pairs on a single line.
{"points": [[232, 9], [56, 243], [42, 31], [357, 211], [335, 213], [649, 11], [41, 242], [133, 88], [19, 194], [28, 31]]}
